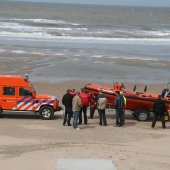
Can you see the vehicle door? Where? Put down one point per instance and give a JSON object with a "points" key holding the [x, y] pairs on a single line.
{"points": [[8, 99], [25, 99]]}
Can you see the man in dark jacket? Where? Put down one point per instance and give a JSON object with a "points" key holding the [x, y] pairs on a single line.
{"points": [[67, 102], [159, 108], [119, 106]]}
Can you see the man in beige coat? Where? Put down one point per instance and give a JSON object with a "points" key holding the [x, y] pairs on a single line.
{"points": [[76, 106], [101, 105]]}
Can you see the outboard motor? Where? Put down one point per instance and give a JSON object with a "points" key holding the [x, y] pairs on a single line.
{"points": [[134, 88], [165, 92], [146, 88]]}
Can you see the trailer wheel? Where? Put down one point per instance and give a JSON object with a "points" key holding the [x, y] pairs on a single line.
{"points": [[46, 112], [142, 114]]}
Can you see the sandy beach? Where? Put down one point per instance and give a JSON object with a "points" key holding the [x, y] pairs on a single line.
{"points": [[66, 46], [27, 142]]}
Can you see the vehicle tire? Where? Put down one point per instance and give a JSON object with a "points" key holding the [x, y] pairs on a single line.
{"points": [[46, 112], [142, 114]]}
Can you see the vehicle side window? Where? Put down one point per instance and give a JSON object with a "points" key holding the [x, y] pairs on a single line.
{"points": [[10, 91], [24, 92]]}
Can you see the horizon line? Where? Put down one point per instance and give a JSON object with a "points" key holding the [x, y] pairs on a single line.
{"points": [[93, 4]]}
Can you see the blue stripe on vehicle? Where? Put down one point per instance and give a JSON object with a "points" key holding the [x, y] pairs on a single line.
{"points": [[28, 101], [52, 101], [44, 101], [22, 99], [36, 101]]}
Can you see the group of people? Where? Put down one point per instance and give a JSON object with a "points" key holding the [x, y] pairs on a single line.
{"points": [[76, 104]]}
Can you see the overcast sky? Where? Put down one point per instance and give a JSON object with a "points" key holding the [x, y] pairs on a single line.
{"points": [[111, 2]]}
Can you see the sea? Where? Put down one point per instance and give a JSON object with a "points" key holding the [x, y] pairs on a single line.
{"points": [[57, 42]]}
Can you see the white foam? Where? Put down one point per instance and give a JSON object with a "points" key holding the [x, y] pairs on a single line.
{"points": [[59, 54], [36, 53], [36, 36], [139, 58], [97, 56], [18, 51], [19, 27], [40, 20]]}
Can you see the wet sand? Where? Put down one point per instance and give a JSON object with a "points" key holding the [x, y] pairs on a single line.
{"points": [[60, 67], [27, 142]]}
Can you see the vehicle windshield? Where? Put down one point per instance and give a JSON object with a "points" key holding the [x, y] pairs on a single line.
{"points": [[33, 88], [28, 81]]}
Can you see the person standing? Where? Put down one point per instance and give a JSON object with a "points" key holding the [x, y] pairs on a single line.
{"points": [[123, 115], [119, 106], [159, 108], [92, 105], [101, 105], [67, 102], [85, 102], [77, 105]]}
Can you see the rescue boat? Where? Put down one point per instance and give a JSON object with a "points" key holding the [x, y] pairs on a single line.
{"points": [[140, 103]]}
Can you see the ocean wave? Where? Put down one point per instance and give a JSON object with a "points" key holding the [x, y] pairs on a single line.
{"points": [[68, 29], [40, 21], [41, 36], [21, 28], [18, 52], [18, 27], [97, 56], [78, 30]]}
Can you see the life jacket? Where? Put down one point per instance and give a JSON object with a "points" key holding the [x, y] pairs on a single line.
{"points": [[117, 86], [124, 100], [84, 98]]}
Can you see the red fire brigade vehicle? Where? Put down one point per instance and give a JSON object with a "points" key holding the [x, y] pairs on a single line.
{"points": [[17, 94]]}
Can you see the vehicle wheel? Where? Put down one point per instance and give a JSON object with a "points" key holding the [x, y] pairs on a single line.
{"points": [[142, 114], [46, 112]]}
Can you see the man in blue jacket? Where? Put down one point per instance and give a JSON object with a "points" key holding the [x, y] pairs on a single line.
{"points": [[119, 105]]}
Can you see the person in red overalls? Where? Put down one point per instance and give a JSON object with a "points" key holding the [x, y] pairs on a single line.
{"points": [[85, 102], [93, 105], [117, 86]]}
